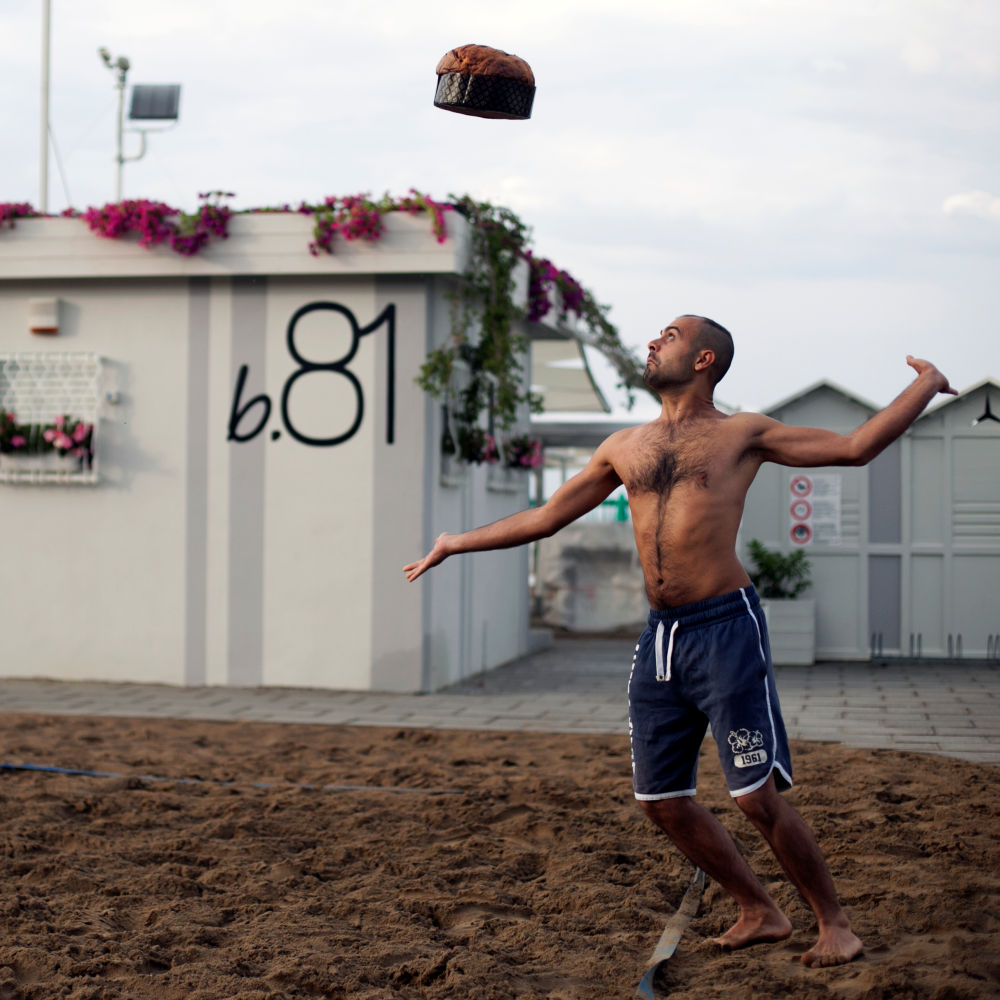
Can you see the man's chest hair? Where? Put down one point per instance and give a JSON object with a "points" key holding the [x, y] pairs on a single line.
{"points": [[663, 457]]}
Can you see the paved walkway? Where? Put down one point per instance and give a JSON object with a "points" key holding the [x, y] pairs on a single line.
{"points": [[578, 685]]}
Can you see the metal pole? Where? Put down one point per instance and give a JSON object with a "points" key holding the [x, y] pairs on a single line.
{"points": [[119, 159], [43, 165], [121, 64]]}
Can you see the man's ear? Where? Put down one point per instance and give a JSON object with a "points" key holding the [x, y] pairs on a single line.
{"points": [[704, 360]]}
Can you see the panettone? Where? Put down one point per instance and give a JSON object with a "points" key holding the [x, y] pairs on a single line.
{"points": [[486, 82]]}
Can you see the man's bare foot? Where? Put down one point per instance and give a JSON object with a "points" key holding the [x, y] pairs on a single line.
{"points": [[835, 946], [771, 925]]}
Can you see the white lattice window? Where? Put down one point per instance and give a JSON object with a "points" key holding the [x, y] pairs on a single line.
{"points": [[48, 417]]}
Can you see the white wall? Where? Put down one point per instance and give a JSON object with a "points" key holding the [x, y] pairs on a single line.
{"points": [[400, 492], [317, 563], [476, 605], [92, 577]]}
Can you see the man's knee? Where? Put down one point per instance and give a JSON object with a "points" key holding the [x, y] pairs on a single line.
{"points": [[667, 814], [762, 805]]}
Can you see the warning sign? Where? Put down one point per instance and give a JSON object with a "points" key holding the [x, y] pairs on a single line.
{"points": [[801, 486], [818, 518], [801, 510], [801, 533]]}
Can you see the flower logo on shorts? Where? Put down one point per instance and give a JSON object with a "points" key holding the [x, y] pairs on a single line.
{"points": [[748, 747]]}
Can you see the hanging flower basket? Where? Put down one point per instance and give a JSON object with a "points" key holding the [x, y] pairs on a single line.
{"points": [[476, 446], [522, 452]]}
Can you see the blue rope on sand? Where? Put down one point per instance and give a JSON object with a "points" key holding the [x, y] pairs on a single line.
{"points": [[78, 772], [672, 933]]}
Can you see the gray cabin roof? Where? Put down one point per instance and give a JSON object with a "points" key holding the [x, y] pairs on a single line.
{"points": [[815, 387]]}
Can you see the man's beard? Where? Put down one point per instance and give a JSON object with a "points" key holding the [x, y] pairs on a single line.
{"points": [[657, 379]]}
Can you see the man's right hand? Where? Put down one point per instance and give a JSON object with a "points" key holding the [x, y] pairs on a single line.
{"points": [[927, 370], [438, 554]]}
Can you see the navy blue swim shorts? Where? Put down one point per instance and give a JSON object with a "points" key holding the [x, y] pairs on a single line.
{"points": [[704, 664]]}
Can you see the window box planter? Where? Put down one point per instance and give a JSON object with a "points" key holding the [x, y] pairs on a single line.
{"points": [[48, 467], [46, 462]]}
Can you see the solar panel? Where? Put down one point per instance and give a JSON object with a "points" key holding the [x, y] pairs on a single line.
{"points": [[160, 101]]}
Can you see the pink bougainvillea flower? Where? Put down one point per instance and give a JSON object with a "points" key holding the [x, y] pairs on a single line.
{"points": [[80, 432], [17, 441], [49, 434], [9, 211]]}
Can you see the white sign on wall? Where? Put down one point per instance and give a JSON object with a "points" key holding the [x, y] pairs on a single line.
{"points": [[815, 508]]}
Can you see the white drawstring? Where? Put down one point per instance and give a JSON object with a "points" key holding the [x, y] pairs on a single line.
{"points": [[663, 669], [670, 647]]}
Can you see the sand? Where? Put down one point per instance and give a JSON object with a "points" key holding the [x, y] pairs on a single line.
{"points": [[516, 865]]}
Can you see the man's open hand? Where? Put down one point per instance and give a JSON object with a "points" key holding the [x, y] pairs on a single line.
{"points": [[438, 554]]}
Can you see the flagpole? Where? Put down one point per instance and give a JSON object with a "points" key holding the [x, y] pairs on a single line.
{"points": [[43, 172]]}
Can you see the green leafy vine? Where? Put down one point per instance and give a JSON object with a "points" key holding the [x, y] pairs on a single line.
{"points": [[483, 303]]}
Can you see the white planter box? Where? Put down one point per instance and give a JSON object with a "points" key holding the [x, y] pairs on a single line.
{"points": [[454, 472], [791, 627], [49, 468], [504, 479], [263, 243]]}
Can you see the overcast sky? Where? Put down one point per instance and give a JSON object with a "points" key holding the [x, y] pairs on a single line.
{"points": [[820, 176]]}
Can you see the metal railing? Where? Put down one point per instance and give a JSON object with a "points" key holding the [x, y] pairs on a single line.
{"points": [[615, 509], [953, 651]]}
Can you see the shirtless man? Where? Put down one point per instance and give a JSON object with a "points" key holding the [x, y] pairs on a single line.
{"points": [[704, 655]]}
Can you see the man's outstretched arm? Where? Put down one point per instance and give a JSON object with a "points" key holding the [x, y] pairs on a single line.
{"points": [[572, 500], [808, 446]]}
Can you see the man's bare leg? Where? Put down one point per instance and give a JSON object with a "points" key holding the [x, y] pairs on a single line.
{"points": [[795, 847], [705, 841]]}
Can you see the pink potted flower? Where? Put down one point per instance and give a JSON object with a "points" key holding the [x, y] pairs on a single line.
{"points": [[522, 452]]}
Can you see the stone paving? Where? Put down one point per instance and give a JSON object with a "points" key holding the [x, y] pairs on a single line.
{"points": [[578, 685]]}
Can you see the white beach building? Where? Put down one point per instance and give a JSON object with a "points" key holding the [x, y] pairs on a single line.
{"points": [[263, 462]]}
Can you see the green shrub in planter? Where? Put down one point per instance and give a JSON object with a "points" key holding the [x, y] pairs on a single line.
{"points": [[776, 576]]}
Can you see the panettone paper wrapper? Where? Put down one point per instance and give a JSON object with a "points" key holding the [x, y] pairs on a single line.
{"points": [[484, 96]]}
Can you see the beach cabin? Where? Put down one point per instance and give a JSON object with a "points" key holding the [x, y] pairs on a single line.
{"points": [[234, 462], [904, 552]]}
